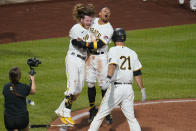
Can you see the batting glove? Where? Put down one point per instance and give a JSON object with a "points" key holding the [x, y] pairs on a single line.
{"points": [[143, 91], [106, 83]]}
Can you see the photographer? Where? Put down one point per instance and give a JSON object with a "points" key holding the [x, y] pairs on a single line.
{"points": [[16, 116]]}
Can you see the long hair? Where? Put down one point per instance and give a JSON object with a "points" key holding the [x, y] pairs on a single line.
{"points": [[80, 10], [14, 76]]}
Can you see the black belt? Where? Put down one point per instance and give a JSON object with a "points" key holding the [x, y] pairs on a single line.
{"points": [[117, 83], [81, 57], [96, 53]]}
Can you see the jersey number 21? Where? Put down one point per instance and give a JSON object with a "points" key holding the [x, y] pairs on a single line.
{"points": [[124, 66]]}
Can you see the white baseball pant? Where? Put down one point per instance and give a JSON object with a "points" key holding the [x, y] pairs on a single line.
{"points": [[123, 95], [75, 70], [96, 69]]}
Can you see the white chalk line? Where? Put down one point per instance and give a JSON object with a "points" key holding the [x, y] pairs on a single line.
{"points": [[138, 104]]}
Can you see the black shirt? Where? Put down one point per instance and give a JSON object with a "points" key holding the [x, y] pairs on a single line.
{"points": [[13, 104]]}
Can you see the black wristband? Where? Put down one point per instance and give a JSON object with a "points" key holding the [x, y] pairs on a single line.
{"points": [[137, 73], [79, 44]]}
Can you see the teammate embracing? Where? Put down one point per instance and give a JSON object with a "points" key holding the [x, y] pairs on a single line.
{"points": [[75, 59], [96, 65]]}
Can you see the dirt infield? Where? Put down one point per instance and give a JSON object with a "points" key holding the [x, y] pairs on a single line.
{"points": [[160, 115], [48, 19]]}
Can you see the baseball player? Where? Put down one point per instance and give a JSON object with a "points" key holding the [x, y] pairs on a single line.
{"points": [[75, 59], [123, 66], [96, 69]]}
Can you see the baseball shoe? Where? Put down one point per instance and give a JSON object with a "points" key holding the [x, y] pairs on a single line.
{"points": [[67, 120], [181, 2], [108, 119], [93, 111]]}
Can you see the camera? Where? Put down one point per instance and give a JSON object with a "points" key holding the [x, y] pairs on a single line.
{"points": [[33, 62]]}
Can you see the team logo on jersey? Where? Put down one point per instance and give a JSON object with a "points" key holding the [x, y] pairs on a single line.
{"points": [[95, 32], [105, 37]]}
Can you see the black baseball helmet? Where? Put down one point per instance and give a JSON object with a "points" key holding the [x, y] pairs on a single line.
{"points": [[119, 35]]}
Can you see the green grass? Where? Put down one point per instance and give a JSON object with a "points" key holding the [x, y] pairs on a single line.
{"points": [[168, 56]]}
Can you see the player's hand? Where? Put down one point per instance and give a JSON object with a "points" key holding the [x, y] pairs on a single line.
{"points": [[106, 84], [143, 91]]}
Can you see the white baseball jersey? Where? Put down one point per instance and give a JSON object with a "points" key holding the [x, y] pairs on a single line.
{"points": [[103, 32], [126, 61], [75, 67], [95, 65], [78, 31], [121, 92]]}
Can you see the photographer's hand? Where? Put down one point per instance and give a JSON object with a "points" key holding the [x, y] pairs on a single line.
{"points": [[33, 85], [32, 78]]}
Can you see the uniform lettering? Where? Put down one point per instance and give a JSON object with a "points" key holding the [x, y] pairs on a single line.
{"points": [[123, 66], [96, 32]]}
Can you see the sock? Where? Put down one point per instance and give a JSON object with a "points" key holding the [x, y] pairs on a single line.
{"points": [[68, 102], [91, 96]]}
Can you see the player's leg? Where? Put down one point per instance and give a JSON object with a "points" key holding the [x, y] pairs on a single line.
{"points": [[91, 80], [77, 83], [72, 80], [102, 69], [112, 98], [91, 94], [108, 118], [104, 110], [91, 97], [128, 110], [73, 89]]}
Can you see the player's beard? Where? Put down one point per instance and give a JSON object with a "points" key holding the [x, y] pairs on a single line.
{"points": [[106, 18]]}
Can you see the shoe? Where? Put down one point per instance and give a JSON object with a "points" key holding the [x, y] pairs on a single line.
{"points": [[108, 119], [193, 5], [181, 2], [93, 111], [63, 120], [67, 120]]}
